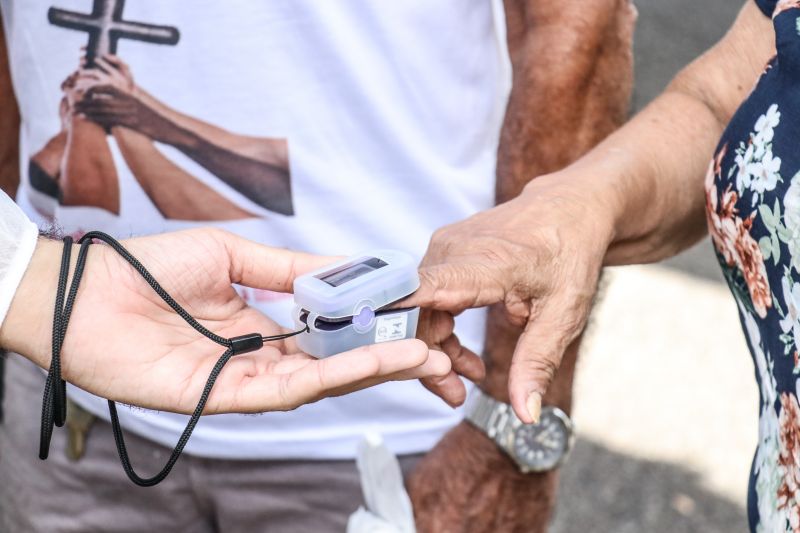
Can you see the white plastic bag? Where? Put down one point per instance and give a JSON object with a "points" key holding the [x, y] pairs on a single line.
{"points": [[388, 508]]}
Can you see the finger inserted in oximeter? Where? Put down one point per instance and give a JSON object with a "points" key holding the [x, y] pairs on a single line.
{"points": [[344, 304]]}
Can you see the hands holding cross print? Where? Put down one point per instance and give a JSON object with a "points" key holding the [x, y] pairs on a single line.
{"points": [[77, 167], [108, 99], [111, 98]]}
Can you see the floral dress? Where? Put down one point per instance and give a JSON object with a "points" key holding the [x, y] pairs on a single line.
{"points": [[753, 208]]}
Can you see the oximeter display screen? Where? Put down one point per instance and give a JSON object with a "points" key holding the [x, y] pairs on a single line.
{"points": [[352, 271]]}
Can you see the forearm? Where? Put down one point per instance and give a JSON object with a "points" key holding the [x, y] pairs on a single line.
{"points": [[572, 70], [650, 177], [565, 99], [646, 180], [267, 150], [209, 131], [88, 174], [176, 193], [263, 183]]}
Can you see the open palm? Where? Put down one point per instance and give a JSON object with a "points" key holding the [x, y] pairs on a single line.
{"points": [[126, 344]]}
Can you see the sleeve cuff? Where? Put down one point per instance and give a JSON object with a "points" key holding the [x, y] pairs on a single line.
{"points": [[16, 266]]}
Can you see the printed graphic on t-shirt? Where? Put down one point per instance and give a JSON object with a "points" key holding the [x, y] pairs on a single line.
{"points": [[101, 99]]}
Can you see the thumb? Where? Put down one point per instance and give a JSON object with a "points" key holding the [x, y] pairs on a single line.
{"points": [[263, 267], [539, 352], [454, 287]]}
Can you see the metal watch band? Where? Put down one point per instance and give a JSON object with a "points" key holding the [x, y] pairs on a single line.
{"points": [[499, 422], [495, 418]]}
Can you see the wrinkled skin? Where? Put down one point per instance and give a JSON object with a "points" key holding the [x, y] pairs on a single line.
{"points": [[504, 256], [572, 64]]}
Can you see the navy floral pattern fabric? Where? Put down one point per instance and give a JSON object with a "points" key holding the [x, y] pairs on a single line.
{"points": [[753, 209]]}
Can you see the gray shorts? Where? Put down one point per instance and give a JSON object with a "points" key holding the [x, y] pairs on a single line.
{"points": [[200, 495]]}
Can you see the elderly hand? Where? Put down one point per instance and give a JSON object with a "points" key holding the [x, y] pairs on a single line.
{"points": [[124, 343], [540, 255]]}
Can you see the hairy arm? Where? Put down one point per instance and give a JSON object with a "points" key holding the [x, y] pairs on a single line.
{"points": [[176, 193], [572, 68], [9, 124]]}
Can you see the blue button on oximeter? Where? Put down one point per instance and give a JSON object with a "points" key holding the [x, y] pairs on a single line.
{"points": [[344, 304]]}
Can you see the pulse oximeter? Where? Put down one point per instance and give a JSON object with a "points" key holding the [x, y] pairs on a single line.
{"points": [[343, 305]]}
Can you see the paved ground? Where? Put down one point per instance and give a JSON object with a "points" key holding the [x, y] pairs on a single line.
{"points": [[666, 413]]}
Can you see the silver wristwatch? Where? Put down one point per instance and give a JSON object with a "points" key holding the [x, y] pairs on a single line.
{"points": [[533, 447]]}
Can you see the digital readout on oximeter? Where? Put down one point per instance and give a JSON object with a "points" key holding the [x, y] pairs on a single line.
{"points": [[351, 271]]}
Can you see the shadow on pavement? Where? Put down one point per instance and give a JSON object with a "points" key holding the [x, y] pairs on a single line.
{"points": [[605, 491]]}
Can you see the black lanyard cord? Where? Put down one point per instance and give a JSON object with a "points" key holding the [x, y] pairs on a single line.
{"points": [[54, 404]]}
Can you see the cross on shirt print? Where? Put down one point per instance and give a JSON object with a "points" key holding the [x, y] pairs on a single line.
{"points": [[106, 27]]}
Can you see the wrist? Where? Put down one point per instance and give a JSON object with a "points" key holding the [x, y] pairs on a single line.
{"points": [[26, 329], [589, 203], [616, 186]]}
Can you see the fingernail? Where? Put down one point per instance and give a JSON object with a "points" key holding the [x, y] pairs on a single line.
{"points": [[534, 405]]}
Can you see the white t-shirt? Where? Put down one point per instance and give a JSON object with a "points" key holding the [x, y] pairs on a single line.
{"points": [[391, 113]]}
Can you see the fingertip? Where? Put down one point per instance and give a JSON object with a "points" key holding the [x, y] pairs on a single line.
{"points": [[526, 398], [480, 369], [417, 352], [465, 362], [425, 295], [533, 405], [440, 364], [449, 388], [457, 392], [519, 404]]}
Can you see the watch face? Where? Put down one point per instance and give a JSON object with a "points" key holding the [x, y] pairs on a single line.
{"points": [[543, 445]]}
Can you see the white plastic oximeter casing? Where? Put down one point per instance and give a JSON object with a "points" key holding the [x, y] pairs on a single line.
{"points": [[343, 304]]}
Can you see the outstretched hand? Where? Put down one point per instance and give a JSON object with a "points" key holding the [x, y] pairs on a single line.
{"points": [[124, 343], [540, 256]]}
